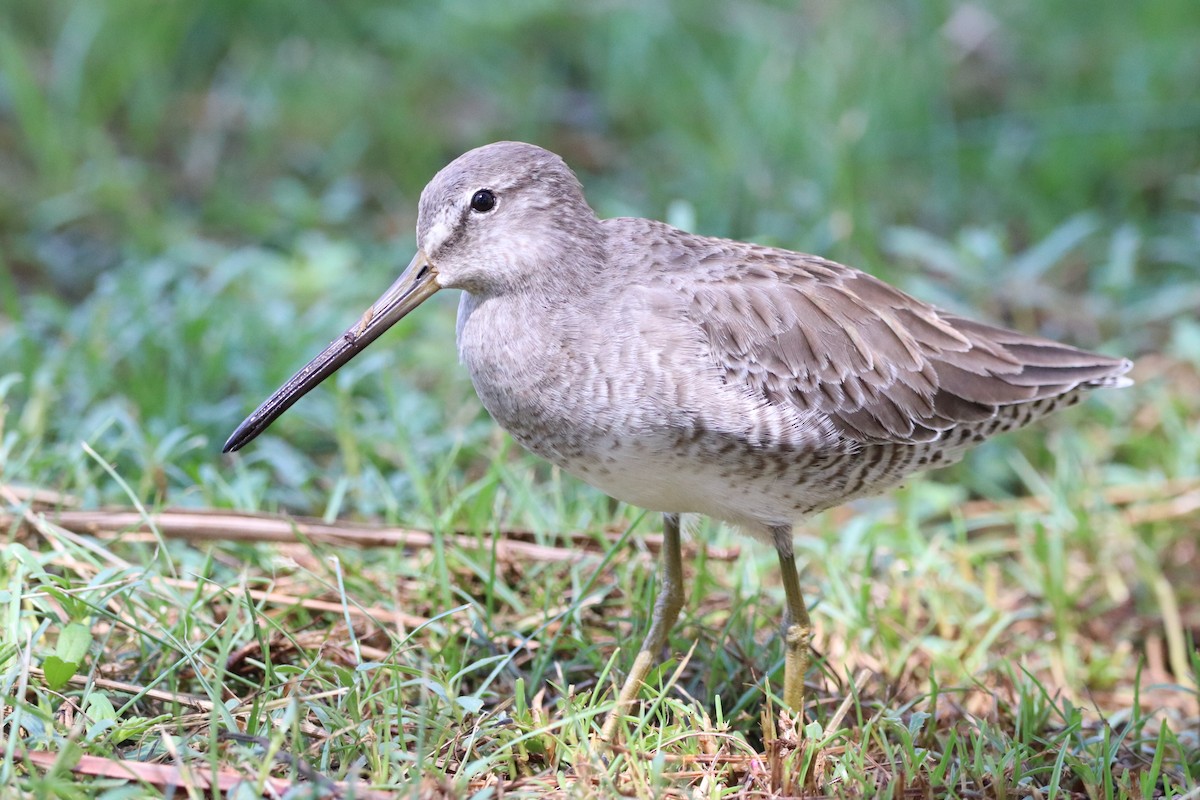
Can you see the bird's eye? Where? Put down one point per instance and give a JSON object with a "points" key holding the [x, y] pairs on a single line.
{"points": [[483, 201]]}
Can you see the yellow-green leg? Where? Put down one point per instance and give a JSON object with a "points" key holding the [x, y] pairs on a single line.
{"points": [[666, 611], [797, 630]]}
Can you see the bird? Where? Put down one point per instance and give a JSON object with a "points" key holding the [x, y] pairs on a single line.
{"points": [[686, 374]]}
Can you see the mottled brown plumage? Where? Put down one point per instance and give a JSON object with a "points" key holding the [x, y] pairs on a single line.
{"points": [[683, 373]]}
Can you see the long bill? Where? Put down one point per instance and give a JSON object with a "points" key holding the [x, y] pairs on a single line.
{"points": [[412, 288]]}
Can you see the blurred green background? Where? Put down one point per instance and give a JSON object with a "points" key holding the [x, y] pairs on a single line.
{"points": [[195, 197]]}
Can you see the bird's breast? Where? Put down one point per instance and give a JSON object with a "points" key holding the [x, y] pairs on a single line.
{"points": [[536, 376]]}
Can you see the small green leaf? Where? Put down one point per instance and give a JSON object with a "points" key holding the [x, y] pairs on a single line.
{"points": [[104, 729], [98, 707], [56, 586], [73, 642], [58, 672], [472, 705], [916, 722]]}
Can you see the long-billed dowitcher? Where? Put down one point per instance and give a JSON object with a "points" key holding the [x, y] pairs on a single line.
{"points": [[687, 374]]}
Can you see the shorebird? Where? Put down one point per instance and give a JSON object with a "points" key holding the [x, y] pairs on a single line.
{"points": [[688, 374]]}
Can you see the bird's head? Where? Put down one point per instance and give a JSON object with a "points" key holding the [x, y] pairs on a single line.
{"points": [[503, 218]]}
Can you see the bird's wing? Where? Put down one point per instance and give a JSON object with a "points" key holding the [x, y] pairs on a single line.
{"points": [[882, 365]]}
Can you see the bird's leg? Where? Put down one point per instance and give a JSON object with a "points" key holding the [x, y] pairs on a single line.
{"points": [[666, 611], [797, 629]]}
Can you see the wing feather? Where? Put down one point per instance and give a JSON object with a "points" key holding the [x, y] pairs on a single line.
{"points": [[884, 366]]}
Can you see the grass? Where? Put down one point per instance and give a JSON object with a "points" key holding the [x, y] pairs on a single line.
{"points": [[194, 198]]}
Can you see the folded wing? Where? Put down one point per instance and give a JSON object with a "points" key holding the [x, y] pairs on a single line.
{"points": [[884, 367]]}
